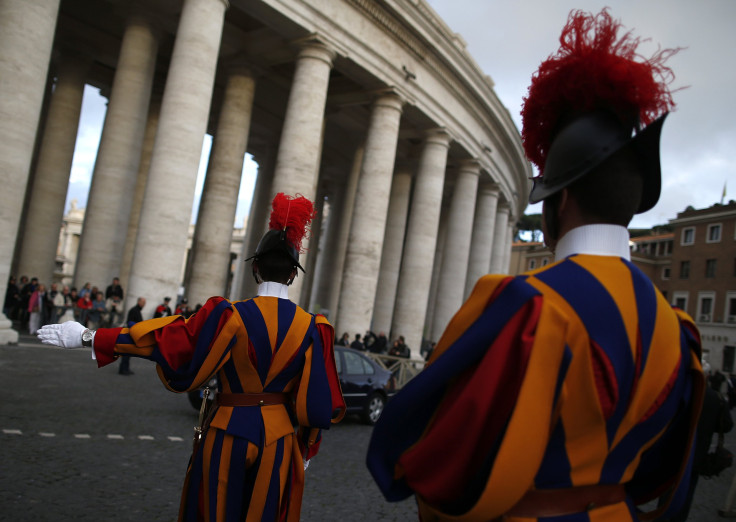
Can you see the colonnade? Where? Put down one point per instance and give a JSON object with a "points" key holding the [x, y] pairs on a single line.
{"points": [[373, 260]]}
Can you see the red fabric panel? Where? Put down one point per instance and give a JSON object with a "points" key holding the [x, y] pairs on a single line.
{"points": [[328, 352], [104, 345], [177, 339], [605, 380], [473, 414]]}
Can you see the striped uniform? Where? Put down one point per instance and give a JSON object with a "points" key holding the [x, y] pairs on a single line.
{"points": [[579, 373], [249, 463]]}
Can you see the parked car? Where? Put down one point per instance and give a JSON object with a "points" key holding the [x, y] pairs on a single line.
{"points": [[366, 386]]}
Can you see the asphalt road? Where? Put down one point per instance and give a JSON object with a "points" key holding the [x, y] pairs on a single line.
{"points": [[86, 444]]}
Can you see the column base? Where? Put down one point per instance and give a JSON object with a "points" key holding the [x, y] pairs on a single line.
{"points": [[7, 334]]}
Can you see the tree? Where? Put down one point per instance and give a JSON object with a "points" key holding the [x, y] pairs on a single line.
{"points": [[531, 223]]}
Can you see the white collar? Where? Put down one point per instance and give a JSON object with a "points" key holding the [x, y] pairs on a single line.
{"points": [[596, 240], [273, 289]]}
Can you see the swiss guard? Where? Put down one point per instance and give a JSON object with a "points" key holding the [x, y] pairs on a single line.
{"points": [[571, 392], [273, 361]]}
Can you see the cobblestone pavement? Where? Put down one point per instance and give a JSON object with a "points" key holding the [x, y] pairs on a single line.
{"points": [[78, 443]]}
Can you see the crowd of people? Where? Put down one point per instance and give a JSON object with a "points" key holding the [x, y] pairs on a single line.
{"points": [[32, 304], [370, 342]]}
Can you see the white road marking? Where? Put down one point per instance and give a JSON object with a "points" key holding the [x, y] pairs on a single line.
{"points": [[109, 436]]}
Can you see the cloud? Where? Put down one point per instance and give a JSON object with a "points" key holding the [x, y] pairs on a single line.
{"points": [[508, 39]]}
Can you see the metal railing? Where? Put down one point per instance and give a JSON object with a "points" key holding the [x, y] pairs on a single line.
{"points": [[402, 368]]}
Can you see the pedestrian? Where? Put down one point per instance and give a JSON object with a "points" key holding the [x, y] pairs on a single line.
{"points": [[344, 340], [183, 308], [272, 359], [84, 305], [97, 314], [381, 343], [357, 344], [26, 290], [571, 392], [114, 289], [114, 305], [715, 418], [56, 300], [163, 310], [86, 290], [135, 315], [37, 306], [369, 340], [12, 299]]}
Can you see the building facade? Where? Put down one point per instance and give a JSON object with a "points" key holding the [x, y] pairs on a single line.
{"points": [[372, 108], [702, 278]]}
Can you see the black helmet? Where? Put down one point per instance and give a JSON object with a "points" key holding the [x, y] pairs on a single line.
{"points": [[587, 142], [275, 241]]}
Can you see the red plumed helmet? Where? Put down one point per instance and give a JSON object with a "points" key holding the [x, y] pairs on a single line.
{"points": [[585, 101], [288, 226], [593, 69], [293, 214]]}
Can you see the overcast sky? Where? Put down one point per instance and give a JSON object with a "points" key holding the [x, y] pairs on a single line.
{"points": [[509, 38]]}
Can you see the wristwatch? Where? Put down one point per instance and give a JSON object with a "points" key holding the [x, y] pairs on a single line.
{"points": [[87, 336]]}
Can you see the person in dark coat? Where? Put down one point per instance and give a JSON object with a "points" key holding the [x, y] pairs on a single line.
{"points": [[714, 418], [357, 344], [134, 316]]}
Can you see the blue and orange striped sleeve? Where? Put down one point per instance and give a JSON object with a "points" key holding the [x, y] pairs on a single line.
{"points": [[319, 400], [468, 394], [187, 351]]}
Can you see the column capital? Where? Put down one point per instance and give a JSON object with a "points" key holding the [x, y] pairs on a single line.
{"points": [[470, 166], [438, 136], [491, 189], [314, 47], [389, 98], [503, 208]]}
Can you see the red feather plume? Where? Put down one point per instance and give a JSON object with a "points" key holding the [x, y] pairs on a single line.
{"points": [[592, 70], [293, 214]]}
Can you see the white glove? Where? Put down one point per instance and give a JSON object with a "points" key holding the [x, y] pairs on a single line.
{"points": [[66, 335], [306, 463]]}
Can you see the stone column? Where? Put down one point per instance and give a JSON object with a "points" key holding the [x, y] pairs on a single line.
{"points": [[118, 158], [211, 248], [26, 37], [421, 240], [365, 243], [46, 207], [451, 285], [326, 258], [260, 210], [436, 271], [393, 245], [499, 239], [482, 244], [166, 210], [509, 243], [297, 163], [149, 137], [346, 218]]}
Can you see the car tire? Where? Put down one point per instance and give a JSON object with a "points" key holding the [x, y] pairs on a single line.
{"points": [[373, 408]]}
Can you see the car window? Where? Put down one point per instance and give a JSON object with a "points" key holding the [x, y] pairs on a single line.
{"points": [[338, 361], [367, 367], [353, 363]]}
